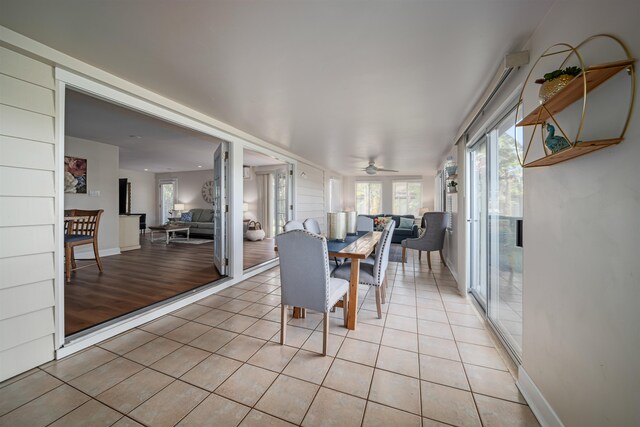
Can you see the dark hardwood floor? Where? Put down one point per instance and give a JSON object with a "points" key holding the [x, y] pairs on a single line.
{"points": [[139, 278]]}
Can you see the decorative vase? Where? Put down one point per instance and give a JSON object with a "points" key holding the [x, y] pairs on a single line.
{"points": [[451, 170], [352, 222], [337, 225], [551, 87]]}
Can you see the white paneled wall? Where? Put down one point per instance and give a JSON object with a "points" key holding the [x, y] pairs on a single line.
{"points": [[310, 194], [26, 213]]}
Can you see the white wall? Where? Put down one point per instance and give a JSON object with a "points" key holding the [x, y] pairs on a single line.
{"points": [[310, 194], [454, 243], [27, 213], [189, 187], [250, 195], [102, 176], [349, 190], [143, 193]]}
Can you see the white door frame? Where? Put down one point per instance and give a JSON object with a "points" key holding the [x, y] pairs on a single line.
{"points": [[173, 181]]}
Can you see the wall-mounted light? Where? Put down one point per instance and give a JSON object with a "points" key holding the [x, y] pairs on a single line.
{"points": [[303, 174]]}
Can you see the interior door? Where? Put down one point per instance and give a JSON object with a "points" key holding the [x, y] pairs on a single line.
{"points": [[220, 208], [167, 193], [478, 221]]}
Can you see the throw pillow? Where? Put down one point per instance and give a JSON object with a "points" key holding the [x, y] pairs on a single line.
{"points": [[186, 217], [406, 223]]}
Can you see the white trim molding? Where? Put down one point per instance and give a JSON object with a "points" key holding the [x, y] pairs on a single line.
{"points": [[543, 411]]}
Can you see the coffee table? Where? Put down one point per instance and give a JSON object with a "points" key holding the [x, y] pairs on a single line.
{"points": [[169, 230]]}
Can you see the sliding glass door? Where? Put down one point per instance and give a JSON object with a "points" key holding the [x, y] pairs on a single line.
{"points": [[496, 190]]}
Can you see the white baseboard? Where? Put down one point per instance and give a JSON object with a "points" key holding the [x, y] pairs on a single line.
{"points": [[547, 417], [88, 254]]}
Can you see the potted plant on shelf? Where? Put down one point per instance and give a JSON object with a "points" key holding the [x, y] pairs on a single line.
{"points": [[555, 81], [452, 186]]}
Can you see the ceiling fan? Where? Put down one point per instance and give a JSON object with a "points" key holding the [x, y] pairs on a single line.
{"points": [[372, 169]]}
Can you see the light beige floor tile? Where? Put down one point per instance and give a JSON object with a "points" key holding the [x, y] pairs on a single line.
{"points": [[359, 351], [468, 320], [46, 408], [396, 390], [366, 332], [493, 383], [237, 323], [499, 413], [232, 292], [370, 318], [429, 303], [378, 415], [332, 408], [272, 300], [25, 374], [311, 321], [92, 413], [235, 306], [153, 351], [187, 332], [191, 311], [314, 343], [170, 405], [214, 317], [214, 301], [402, 310], [454, 307], [251, 296], [273, 356], [78, 364], [309, 366], [266, 288], [216, 410], [213, 340], [481, 355], [402, 323], [180, 361], [247, 384], [434, 329], [20, 392], [257, 310], [288, 398], [135, 390], [106, 376], [427, 422], [295, 336], [260, 419], [127, 422], [273, 315], [443, 371], [449, 405], [336, 326], [163, 325], [349, 377], [263, 329], [400, 339], [438, 347], [241, 348], [471, 335], [399, 361], [432, 315], [211, 372], [408, 300], [126, 342]]}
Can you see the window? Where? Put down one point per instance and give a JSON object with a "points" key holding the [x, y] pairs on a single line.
{"points": [[407, 198], [369, 198]]}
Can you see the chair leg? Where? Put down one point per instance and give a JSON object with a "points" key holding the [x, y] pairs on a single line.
{"points": [[73, 258], [283, 323], [345, 309], [97, 254], [384, 290], [442, 258], [419, 255], [67, 262], [404, 254], [429, 259], [325, 334], [378, 305]]}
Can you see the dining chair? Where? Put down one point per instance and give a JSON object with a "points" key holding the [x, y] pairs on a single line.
{"points": [[80, 228], [364, 223], [293, 225], [305, 280], [373, 274], [312, 225], [432, 239]]}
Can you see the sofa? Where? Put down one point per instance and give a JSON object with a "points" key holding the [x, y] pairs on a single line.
{"points": [[399, 234], [201, 224]]}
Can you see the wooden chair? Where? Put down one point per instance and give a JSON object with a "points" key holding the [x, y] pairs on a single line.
{"points": [[80, 228]]}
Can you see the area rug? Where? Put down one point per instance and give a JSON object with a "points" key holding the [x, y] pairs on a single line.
{"points": [[395, 253], [191, 241]]}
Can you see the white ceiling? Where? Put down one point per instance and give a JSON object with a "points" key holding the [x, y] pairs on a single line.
{"points": [[253, 158], [329, 80]]}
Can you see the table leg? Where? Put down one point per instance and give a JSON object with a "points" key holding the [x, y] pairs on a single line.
{"points": [[168, 236], [188, 230], [353, 293], [297, 312]]}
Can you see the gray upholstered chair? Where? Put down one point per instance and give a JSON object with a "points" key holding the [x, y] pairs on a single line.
{"points": [[432, 239], [373, 274], [312, 225], [293, 225], [364, 223], [305, 280]]}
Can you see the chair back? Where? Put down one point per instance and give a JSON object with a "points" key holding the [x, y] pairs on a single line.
{"points": [[312, 225], [81, 222], [293, 225], [382, 254], [304, 270], [433, 237], [364, 223]]}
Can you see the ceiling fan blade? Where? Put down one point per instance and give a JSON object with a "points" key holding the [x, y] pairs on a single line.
{"points": [[386, 170]]}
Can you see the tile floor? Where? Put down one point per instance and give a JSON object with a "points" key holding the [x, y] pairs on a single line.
{"points": [[428, 362]]}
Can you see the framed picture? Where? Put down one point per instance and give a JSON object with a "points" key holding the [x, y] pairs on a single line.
{"points": [[75, 175]]}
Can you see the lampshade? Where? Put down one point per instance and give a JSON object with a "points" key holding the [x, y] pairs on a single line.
{"points": [[178, 207], [245, 207], [423, 211]]}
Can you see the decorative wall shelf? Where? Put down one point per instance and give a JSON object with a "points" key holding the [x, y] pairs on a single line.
{"points": [[577, 89]]}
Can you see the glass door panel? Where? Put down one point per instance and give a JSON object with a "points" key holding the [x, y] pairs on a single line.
{"points": [[478, 221], [167, 200]]}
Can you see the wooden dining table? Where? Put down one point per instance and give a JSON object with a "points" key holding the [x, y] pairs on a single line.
{"points": [[355, 248]]}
